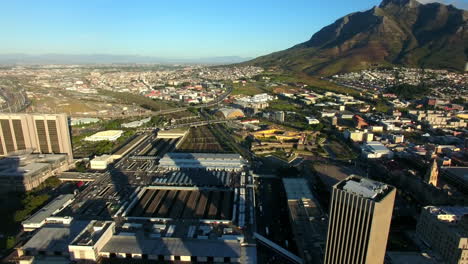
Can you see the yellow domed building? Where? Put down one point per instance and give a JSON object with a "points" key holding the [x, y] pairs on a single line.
{"points": [[230, 113]]}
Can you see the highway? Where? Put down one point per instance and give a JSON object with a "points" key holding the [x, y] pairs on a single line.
{"points": [[199, 123]]}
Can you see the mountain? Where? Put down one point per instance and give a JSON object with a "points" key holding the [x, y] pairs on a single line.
{"points": [[397, 32], [109, 59]]}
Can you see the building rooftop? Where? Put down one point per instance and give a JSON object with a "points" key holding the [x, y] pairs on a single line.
{"points": [[55, 237], [396, 257], [459, 172], [32, 114], [26, 156], [453, 217], [50, 209], [91, 233], [297, 189], [26, 170], [172, 246], [364, 187], [201, 156], [107, 133], [104, 157], [83, 120], [455, 212], [376, 146]]}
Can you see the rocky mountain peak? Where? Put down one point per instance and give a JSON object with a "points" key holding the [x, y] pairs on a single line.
{"points": [[400, 3]]}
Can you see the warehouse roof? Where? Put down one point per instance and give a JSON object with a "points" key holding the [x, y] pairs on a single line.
{"points": [[107, 133], [216, 156], [172, 246], [55, 238], [48, 210], [376, 146], [459, 172]]}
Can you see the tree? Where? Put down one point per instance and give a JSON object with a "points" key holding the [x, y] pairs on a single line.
{"points": [[408, 91], [80, 166], [458, 100], [10, 242], [192, 110], [382, 107], [318, 127]]}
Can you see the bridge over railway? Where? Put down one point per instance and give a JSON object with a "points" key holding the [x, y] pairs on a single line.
{"points": [[192, 124], [267, 242], [198, 123], [79, 176]]}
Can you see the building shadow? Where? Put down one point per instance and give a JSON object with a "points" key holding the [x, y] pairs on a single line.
{"points": [[177, 206]]}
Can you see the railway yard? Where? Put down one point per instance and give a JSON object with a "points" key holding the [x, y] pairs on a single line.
{"points": [[201, 139], [184, 203], [144, 199]]}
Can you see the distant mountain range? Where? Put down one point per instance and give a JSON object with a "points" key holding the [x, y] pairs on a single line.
{"points": [[110, 59], [397, 32]]}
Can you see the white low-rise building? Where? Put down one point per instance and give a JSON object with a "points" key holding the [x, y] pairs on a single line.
{"points": [[110, 135], [41, 217], [312, 120], [101, 162], [137, 123], [375, 150], [83, 121]]}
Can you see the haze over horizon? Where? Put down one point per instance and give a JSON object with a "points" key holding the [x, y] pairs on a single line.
{"points": [[184, 30]]}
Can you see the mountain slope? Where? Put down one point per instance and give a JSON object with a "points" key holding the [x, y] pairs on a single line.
{"points": [[402, 32]]}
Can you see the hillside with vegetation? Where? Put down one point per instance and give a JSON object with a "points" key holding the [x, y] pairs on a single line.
{"points": [[397, 32]]}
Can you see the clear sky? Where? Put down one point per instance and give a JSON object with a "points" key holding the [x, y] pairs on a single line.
{"points": [[166, 28]]}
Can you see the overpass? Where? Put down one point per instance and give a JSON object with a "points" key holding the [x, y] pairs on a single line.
{"points": [[193, 124], [79, 176], [198, 123], [267, 242], [266, 176]]}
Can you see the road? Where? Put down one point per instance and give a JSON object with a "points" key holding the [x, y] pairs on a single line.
{"points": [[218, 100], [193, 124]]}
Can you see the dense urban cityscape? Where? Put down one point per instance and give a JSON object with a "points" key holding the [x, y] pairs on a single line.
{"points": [[193, 176], [324, 153]]}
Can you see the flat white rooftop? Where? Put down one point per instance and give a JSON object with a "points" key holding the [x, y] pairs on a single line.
{"points": [[105, 135]]}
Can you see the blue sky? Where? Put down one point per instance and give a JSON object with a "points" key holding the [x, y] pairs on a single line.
{"points": [[175, 29]]}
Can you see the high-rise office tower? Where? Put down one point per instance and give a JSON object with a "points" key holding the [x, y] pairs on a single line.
{"points": [[40, 133], [359, 222]]}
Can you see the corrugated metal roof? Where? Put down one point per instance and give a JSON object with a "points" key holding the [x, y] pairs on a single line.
{"points": [[172, 246]]}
